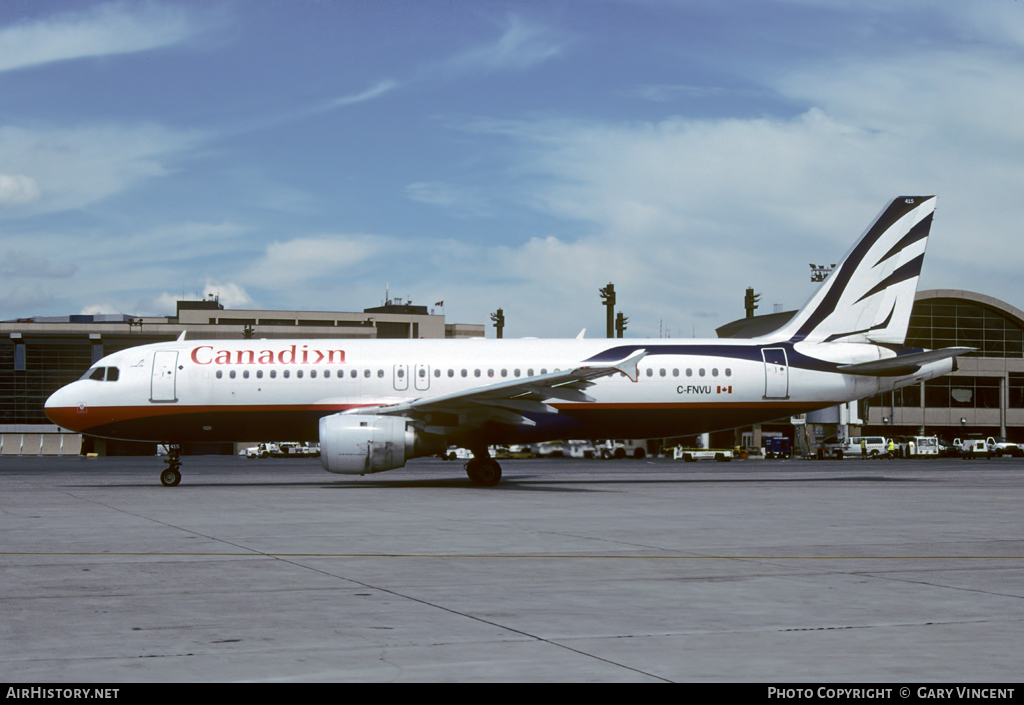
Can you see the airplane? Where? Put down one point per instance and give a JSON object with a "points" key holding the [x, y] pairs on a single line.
{"points": [[375, 404]]}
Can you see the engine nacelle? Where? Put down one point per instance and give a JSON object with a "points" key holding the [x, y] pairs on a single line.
{"points": [[356, 445]]}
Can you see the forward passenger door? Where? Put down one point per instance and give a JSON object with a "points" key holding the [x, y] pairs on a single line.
{"points": [[162, 385]]}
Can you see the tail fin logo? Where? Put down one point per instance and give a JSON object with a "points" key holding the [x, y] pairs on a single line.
{"points": [[869, 296]]}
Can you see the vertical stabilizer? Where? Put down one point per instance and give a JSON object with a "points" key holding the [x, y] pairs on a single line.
{"points": [[869, 296]]}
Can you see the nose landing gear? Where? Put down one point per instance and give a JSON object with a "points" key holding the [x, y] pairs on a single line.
{"points": [[171, 475]]}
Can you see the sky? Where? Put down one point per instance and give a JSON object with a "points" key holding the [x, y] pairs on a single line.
{"points": [[313, 154]]}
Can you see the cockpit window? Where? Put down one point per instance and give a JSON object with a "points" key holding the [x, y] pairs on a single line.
{"points": [[111, 374]]}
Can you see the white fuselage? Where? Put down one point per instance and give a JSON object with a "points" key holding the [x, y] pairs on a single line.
{"points": [[241, 390]]}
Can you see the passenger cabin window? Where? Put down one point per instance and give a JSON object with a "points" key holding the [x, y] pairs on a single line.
{"points": [[273, 374], [220, 374], [650, 372]]}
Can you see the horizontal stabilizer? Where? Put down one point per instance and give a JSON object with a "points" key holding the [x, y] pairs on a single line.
{"points": [[902, 364]]}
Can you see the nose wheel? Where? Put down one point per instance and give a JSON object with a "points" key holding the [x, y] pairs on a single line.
{"points": [[171, 475]]}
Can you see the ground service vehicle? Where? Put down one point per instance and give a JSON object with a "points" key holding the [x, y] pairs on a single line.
{"points": [[776, 447], [621, 448], [1000, 447], [874, 447], [923, 446], [974, 447], [374, 404], [692, 455]]}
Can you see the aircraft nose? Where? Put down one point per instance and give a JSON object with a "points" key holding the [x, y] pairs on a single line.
{"points": [[60, 410]]}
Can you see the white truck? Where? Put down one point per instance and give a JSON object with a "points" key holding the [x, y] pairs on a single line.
{"points": [[987, 446], [621, 448], [263, 450], [692, 455]]}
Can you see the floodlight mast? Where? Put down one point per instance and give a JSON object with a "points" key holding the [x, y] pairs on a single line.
{"points": [[608, 299]]}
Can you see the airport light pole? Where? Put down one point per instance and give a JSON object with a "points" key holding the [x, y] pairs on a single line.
{"points": [[608, 298], [620, 324], [499, 320], [750, 301], [820, 272]]}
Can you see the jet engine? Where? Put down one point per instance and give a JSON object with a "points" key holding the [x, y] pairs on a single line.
{"points": [[359, 445]]}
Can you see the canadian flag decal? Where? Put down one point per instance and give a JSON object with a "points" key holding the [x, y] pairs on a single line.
{"points": [[727, 390]]}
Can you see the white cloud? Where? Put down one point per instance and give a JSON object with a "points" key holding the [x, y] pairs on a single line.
{"points": [[683, 214], [230, 295], [369, 94], [663, 93], [306, 259], [73, 167], [98, 308], [114, 28], [18, 190], [521, 46], [17, 263], [22, 299], [462, 201]]}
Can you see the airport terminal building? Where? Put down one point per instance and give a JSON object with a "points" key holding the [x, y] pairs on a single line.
{"points": [[984, 395], [39, 355]]}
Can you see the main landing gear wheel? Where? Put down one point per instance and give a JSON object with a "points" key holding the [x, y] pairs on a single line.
{"points": [[483, 472], [171, 476]]}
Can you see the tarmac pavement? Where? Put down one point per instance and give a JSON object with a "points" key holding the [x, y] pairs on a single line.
{"points": [[569, 570]]}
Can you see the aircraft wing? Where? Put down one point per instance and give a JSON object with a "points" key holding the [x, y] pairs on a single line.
{"points": [[505, 402], [902, 364]]}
